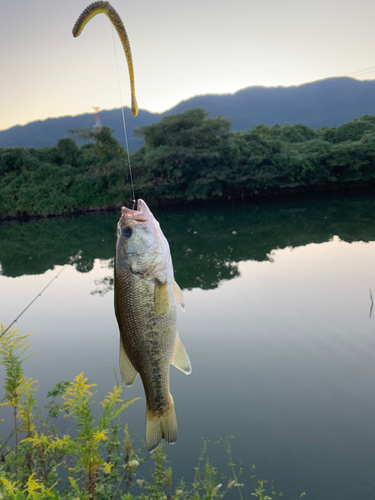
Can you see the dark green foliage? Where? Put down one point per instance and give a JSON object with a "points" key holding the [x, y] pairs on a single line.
{"points": [[185, 157], [181, 155], [17, 159], [67, 151], [350, 131], [106, 147], [189, 129], [64, 178]]}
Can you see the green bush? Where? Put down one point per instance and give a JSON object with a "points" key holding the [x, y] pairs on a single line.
{"points": [[186, 157]]}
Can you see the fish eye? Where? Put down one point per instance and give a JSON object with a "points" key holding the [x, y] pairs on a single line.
{"points": [[127, 232]]}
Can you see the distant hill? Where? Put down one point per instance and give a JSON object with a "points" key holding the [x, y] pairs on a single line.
{"points": [[324, 103], [48, 132]]}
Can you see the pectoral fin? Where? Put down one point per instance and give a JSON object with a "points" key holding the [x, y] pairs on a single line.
{"points": [[180, 358], [162, 299], [127, 370], [178, 296]]}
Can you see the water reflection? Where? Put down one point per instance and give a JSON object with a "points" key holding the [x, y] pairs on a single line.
{"points": [[106, 284], [206, 243]]}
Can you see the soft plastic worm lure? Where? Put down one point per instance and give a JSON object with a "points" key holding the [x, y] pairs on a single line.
{"points": [[107, 9]]}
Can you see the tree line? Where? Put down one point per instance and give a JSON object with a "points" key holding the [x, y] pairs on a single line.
{"points": [[185, 157]]}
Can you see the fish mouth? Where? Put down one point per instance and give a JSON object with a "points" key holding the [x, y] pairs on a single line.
{"points": [[138, 215], [142, 219]]}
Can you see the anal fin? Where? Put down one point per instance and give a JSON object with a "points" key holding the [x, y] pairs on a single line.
{"points": [[180, 358], [127, 370]]}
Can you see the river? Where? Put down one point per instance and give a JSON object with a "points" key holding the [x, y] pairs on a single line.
{"points": [[278, 327]]}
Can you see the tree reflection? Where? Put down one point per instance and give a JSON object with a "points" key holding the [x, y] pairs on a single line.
{"points": [[207, 242]]}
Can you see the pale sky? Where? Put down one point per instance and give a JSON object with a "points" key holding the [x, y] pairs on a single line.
{"points": [[180, 49]]}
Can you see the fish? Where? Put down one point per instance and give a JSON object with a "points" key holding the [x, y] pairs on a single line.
{"points": [[146, 296]]}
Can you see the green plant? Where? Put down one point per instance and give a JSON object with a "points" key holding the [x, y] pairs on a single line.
{"points": [[35, 455], [12, 349], [92, 462]]}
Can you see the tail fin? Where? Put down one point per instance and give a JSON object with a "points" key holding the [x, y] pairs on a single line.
{"points": [[160, 427]]}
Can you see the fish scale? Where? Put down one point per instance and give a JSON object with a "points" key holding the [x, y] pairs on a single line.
{"points": [[145, 307], [148, 340]]}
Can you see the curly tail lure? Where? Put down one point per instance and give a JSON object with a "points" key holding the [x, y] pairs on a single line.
{"points": [[107, 9]]}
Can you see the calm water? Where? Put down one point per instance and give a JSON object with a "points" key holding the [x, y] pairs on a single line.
{"points": [[277, 326]]}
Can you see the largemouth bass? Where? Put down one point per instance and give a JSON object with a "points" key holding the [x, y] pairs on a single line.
{"points": [[145, 306]]}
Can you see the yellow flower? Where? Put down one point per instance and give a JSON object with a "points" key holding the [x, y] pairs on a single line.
{"points": [[101, 436], [107, 467]]}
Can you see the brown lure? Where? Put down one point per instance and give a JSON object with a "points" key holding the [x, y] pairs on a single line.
{"points": [[107, 9]]}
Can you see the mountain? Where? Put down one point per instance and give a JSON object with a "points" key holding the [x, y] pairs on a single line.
{"points": [[323, 103], [48, 132]]}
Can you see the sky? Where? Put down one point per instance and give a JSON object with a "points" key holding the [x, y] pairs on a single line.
{"points": [[180, 49]]}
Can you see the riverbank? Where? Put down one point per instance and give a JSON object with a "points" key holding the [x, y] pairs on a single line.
{"points": [[342, 189], [186, 159]]}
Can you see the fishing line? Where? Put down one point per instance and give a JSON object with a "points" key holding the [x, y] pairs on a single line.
{"points": [[106, 8], [70, 261], [88, 13], [123, 121], [360, 72]]}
